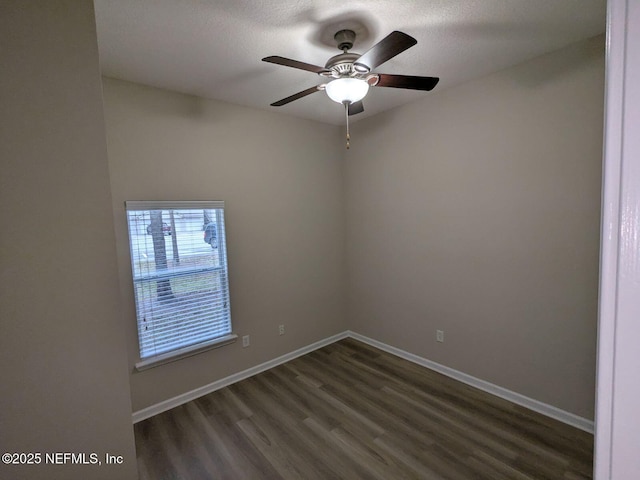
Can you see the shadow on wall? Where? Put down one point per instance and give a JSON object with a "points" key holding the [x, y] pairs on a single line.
{"points": [[548, 68], [189, 107]]}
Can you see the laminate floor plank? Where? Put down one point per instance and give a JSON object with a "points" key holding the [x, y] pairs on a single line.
{"points": [[285, 431], [222, 448], [351, 411], [151, 451]]}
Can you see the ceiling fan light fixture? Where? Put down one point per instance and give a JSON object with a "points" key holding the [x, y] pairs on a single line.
{"points": [[351, 72], [349, 90]]}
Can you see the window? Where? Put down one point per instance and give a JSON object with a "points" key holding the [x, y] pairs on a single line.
{"points": [[179, 267]]}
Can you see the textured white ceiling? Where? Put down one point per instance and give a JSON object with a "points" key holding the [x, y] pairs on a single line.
{"points": [[213, 48]]}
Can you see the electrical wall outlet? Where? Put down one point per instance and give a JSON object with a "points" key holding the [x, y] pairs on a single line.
{"points": [[246, 341], [280, 329], [440, 336]]}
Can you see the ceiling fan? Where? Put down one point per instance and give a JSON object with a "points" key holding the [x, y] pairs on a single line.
{"points": [[350, 74]]}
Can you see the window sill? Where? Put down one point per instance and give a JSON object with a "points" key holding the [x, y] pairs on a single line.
{"points": [[185, 352]]}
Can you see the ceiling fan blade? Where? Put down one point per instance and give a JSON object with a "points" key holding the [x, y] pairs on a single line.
{"points": [[295, 96], [387, 48], [407, 81], [287, 62], [356, 108]]}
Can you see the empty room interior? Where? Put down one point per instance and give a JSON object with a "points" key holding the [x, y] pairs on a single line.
{"points": [[407, 291]]}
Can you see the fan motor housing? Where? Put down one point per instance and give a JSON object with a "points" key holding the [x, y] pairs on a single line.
{"points": [[342, 64]]}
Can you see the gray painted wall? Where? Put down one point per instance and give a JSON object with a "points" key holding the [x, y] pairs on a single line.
{"points": [[476, 211], [281, 179], [63, 359]]}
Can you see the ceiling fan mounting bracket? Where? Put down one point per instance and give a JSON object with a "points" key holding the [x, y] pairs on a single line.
{"points": [[345, 39]]}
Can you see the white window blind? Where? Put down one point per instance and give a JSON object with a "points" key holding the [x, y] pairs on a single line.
{"points": [[179, 266]]}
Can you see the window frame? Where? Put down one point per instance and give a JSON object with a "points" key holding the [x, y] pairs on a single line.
{"points": [[157, 359]]}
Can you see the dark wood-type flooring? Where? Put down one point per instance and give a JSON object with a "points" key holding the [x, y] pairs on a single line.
{"points": [[350, 411]]}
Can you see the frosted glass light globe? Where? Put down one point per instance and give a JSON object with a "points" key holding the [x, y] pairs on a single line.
{"points": [[348, 90]]}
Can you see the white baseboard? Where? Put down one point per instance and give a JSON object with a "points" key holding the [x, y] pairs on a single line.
{"points": [[530, 403], [236, 377], [535, 405]]}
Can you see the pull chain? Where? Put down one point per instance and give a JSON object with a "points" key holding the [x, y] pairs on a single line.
{"points": [[346, 114]]}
